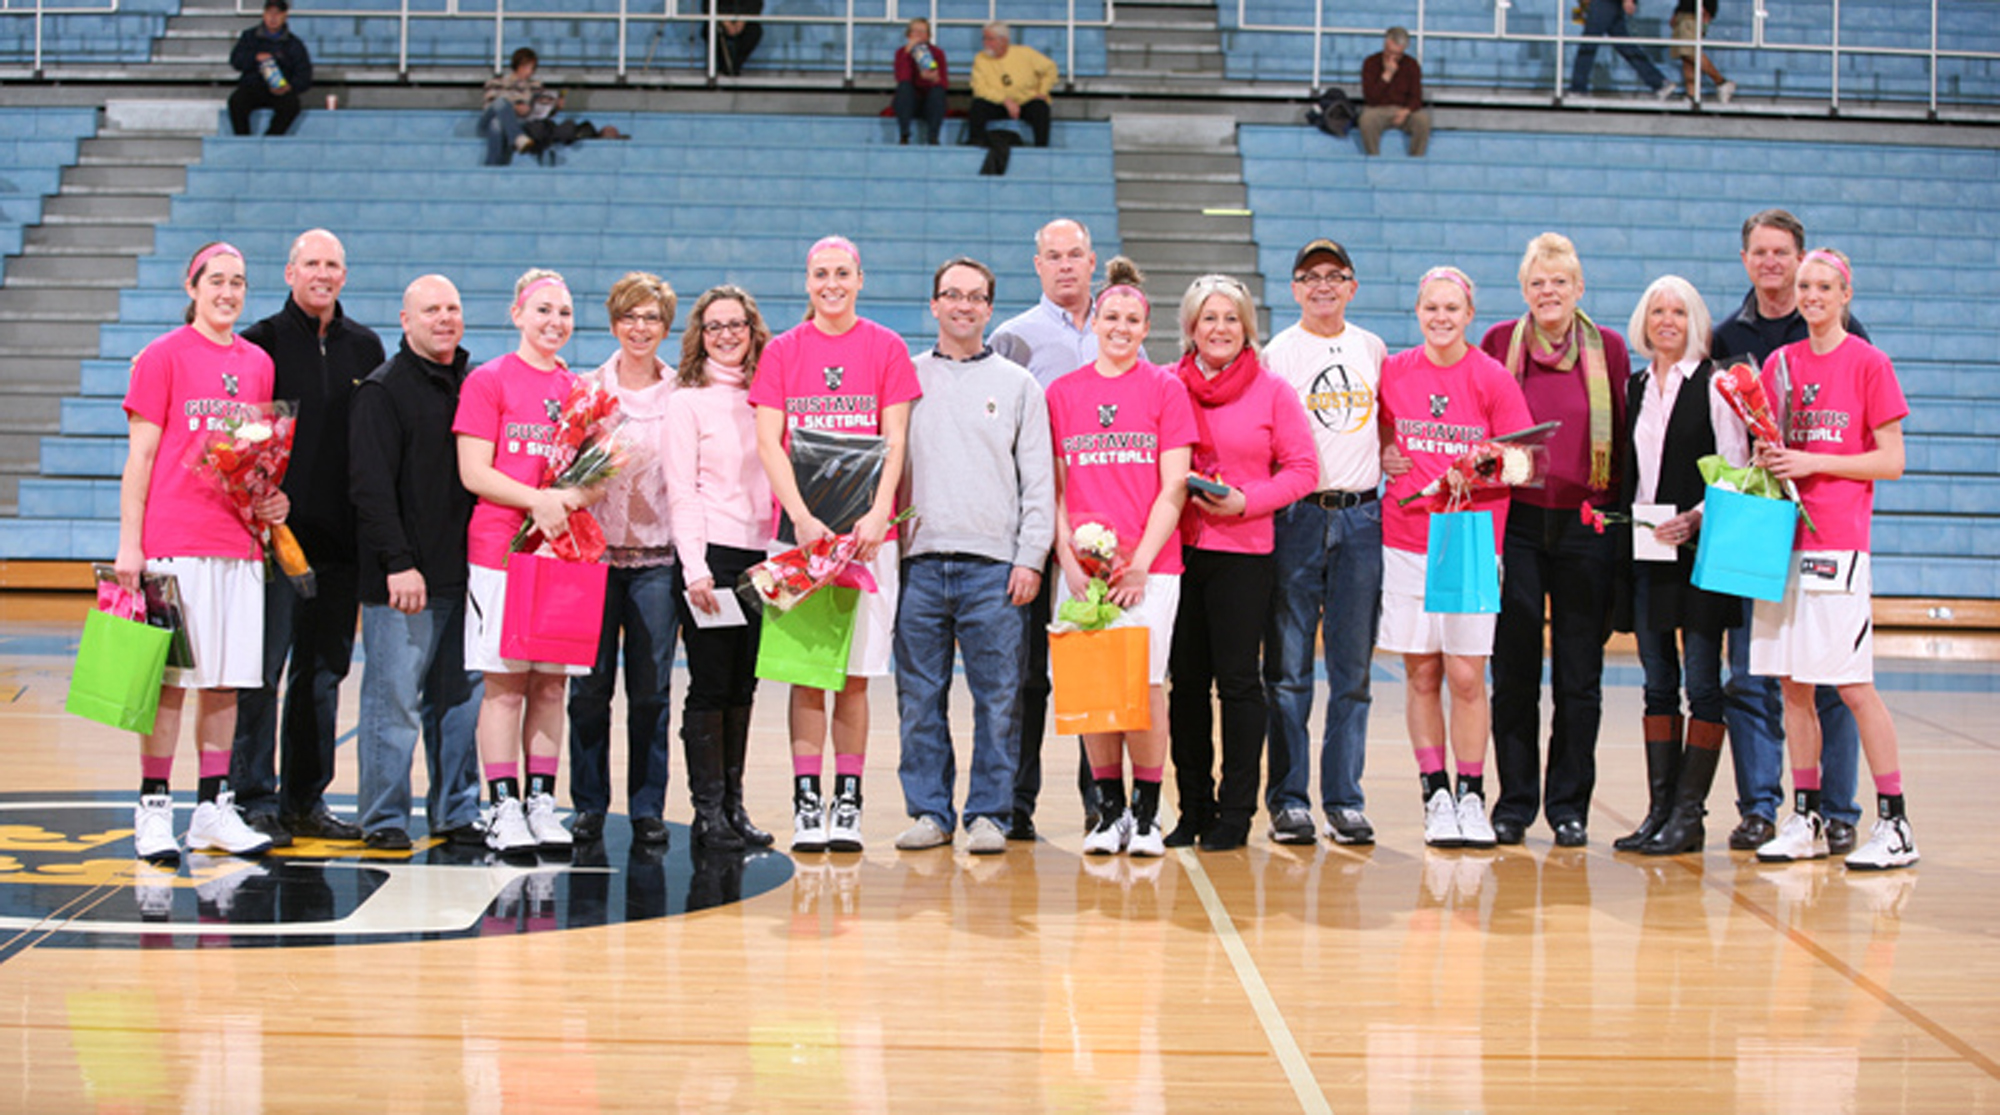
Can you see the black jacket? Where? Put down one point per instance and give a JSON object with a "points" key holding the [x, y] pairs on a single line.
{"points": [[1749, 333], [318, 374], [411, 512], [288, 49]]}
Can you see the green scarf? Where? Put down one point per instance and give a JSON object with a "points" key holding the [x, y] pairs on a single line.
{"points": [[1560, 354]]}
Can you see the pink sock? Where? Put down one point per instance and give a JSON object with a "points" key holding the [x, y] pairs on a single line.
{"points": [[806, 766], [156, 767], [214, 764], [849, 764], [1430, 760], [1890, 784], [1148, 774], [496, 771], [1805, 778], [1105, 774], [1470, 770], [544, 764]]}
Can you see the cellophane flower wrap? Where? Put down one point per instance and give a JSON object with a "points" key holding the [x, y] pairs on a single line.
{"points": [[245, 457], [1515, 461], [588, 450], [783, 580], [1743, 389], [1104, 559]]}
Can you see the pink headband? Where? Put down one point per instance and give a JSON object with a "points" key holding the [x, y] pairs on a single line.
{"points": [[840, 242], [1125, 289], [1820, 255], [522, 299], [202, 257], [1449, 274]]}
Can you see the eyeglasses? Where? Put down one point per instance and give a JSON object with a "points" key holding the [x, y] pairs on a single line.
{"points": [[976, 297], [640, 319], [1333, 280], [717, 328]]}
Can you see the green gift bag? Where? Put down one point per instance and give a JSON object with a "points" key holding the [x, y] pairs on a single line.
{"points": [[808, 645], [119, 667]]}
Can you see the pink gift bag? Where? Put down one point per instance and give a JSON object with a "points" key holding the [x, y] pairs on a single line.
{"points": [[554, 610]]}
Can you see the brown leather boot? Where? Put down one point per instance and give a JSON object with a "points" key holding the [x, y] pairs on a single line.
{"points": [[1683, 831], [1663, 769]]}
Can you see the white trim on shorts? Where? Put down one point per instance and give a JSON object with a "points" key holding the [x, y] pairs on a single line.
{"points": [[223, 601], [1407, 629], [485, 610], [1817, 638], [1155, 612]]}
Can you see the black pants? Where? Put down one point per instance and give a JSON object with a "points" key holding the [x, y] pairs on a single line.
{"points": [[249, 98], [317, 636], [731, 51], [1035, 114], [1218, 642], [1035, 706], [1549, 556], [722, 661]]}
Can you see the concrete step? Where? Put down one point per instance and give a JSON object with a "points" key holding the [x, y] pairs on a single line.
{"points": [[220, 24], [1147, 16], [29, 373], [1164, 61], [147, 150], [36, 415], [1183, 222], [1200, 194], [120, 208], [88, 239], [1168, 39], [124, 179], [202, 48], [58, 304], [50, 338], [1150, 161]]}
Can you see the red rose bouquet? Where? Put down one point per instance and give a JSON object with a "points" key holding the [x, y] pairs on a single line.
{"points": [[783, 580], [1742, 388], [588, 450], [245, 457], [1516, 460]]}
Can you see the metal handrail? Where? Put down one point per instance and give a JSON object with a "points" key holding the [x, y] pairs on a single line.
{"points": [[1320, 31], [42, 10]]}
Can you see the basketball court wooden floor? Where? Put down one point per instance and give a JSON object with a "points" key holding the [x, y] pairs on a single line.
{"points": [[1270, 979]]}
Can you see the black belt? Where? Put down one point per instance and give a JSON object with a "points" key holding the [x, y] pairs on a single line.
{"points": [[1331, 500]]}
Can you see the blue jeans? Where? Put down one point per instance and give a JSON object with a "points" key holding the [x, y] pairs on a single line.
{"points": [[1697, 659], [946, 600], [501, 126], [1756, 718], [415, 678], [1329, 579], [912, 102], [316, 636], [1606, 19], [642, 603]]}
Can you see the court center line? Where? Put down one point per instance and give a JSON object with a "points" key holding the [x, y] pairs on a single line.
{"points": [[1312, 1099]]}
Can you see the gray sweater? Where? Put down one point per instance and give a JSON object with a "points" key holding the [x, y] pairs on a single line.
{"points": [[981, 474]]}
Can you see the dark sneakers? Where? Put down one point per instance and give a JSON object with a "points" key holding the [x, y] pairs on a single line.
{"points": [[1349, 826], [322, 824], [388, 840], [1293, 826], [271, 826]]}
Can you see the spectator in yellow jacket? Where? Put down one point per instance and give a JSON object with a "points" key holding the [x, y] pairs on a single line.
{"points": [[1012, 82]]}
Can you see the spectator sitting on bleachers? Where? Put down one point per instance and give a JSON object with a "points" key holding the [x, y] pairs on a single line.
{"points": [[276, 69], [1392, 84], [512, 99], [921, 81], [1010, 81], [736, 36]]}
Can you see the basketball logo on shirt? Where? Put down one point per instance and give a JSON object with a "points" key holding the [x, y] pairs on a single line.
{"points": [[1339, 402], [834, 374], [553, 408], [1440, 404], [1808, 393], [229, 382], [1107, 413]]}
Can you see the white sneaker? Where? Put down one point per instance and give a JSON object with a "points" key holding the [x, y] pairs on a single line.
{"points": [[1891, 845], [808, 824], [507, 829], [1726, 92], [1147, 841], [1110, 836], [218, 825], [985, 837], [544, 827], [1474, 830], [843, 824], [1441, 822], [153, 829], [1667, 92], [1802, 836], [926, 833]]}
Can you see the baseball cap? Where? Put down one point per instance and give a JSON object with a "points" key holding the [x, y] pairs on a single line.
{"points": [[1321, 246]]}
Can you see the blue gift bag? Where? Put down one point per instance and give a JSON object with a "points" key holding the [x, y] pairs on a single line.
{"points": [[1746, 544], [1461, 570]]}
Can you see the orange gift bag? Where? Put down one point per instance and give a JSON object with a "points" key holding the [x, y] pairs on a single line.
{"points": [[1100, 680]]}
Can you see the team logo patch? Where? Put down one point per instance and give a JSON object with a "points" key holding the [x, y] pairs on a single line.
{"points": [[1340, 401], [1107, 413], [1440, 404], [229, 383], [554, 409], [834, 374], [69, 879], [1808, 393]]}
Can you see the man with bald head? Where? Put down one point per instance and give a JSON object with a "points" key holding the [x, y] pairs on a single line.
{"points": [[319, 356], [410, 515]]}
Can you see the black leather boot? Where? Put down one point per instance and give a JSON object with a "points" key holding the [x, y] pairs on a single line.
{"points": [[701, 738], [1683, 831], [1663, 769], [735, 744]]}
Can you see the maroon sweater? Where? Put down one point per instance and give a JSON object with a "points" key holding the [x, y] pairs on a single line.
{"points": [[1405, 90]]}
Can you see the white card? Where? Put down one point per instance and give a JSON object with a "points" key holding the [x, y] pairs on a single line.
{"points": [[730, 615], [1645, 547]]}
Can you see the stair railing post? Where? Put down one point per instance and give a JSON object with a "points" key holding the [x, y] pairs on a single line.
{"points": [[1319, 40], [403, 41], [1833, 104]]}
